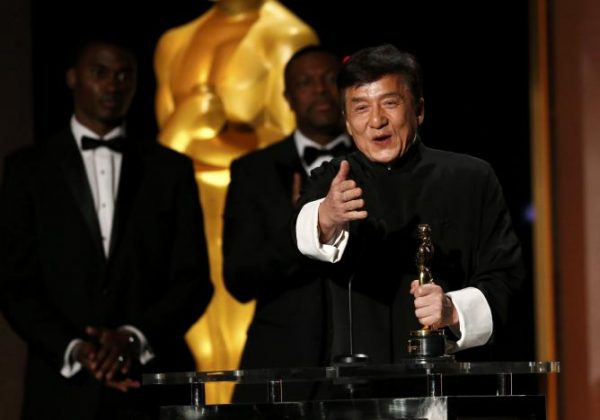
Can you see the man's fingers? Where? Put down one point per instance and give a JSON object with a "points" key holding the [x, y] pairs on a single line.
{"points": [[125, 366], [102, 355], [342, 172], [430, 321], [426, 290], [356, 215], [296, 187], [354, 205], [123, 385], [93, 331], [351, 194], [414, 285], [108, 367]]}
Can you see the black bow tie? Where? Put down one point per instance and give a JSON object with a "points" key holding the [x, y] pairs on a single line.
{"points": [[312, 153], [116, 144]]}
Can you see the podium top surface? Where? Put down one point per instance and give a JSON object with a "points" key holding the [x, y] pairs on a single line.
{"points": [[406, 368]]}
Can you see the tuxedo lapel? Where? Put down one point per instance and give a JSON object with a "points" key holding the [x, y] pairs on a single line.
{"points": [[287, 163], [75, 176], [129, 183]]}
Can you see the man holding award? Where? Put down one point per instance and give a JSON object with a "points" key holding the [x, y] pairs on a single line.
{"points": [[362, 212]]}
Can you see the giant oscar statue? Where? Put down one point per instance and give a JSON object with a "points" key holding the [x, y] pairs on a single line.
{"points": [[220, 95]]}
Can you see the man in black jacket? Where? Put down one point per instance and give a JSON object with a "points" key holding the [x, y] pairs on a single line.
{"points": [[362, 212], [103, 264]]}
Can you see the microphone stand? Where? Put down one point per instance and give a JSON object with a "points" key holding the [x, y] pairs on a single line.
{"points": [[351, 359]]}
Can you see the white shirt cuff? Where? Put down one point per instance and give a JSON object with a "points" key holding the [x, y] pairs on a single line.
{"points": [[475, 319], [146, 353], [307, 236], [70, 366]]}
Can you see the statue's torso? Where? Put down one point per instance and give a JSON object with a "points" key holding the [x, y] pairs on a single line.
{"points": [[221, 56]]}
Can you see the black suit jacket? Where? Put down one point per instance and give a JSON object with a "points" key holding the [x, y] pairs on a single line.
{"points": [[56, 279], [475, 246]]}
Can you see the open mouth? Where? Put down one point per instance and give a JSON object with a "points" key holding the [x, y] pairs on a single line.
{"points": [[382, 137]]}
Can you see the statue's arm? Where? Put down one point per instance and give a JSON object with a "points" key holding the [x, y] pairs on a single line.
{"points": [[163, 61]]}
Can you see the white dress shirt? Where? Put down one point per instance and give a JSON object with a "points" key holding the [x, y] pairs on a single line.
{"points": [[302, 142], [474, 313], [103, 170]]}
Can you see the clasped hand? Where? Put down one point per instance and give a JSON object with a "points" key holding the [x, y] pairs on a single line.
{"points": [[108, 356]]}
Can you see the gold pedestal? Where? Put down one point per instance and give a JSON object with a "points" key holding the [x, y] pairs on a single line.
{"points": [[427, 343]]}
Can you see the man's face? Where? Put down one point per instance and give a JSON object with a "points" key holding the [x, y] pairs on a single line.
{"points": [[312, 93], [382, 117], [103, 82]]}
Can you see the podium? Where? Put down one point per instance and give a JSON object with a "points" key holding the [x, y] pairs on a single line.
{"points": [[433, 405]]}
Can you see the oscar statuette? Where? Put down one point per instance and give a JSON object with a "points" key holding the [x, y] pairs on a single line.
{"points": [[428, 342]]}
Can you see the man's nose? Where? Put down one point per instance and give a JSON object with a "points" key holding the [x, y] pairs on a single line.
{"points": [[319, 86], [111, 83], [377, 118], [114, 82]]}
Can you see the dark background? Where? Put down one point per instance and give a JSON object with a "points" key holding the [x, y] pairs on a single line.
{"points": [[474, 57]]}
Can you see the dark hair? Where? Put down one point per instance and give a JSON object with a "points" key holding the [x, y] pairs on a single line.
{"points": [[93, 39], [371, 64], [309, 49]]}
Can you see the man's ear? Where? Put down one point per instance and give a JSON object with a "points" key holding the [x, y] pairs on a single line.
{"points": [[288, 99], [71, 78], [348, 126], [420, 111]]}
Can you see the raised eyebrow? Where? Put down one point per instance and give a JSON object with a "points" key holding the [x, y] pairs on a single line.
{"points": [[99, 65], [357, 99], [390, 95]]}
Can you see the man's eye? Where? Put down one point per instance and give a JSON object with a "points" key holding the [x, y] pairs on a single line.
{"points": [[123, 76], [98, 72], [331, 78], [302, 82]]}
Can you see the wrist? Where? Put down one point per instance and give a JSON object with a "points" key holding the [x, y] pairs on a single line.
{"points": [[325, 231], [453, 318]]}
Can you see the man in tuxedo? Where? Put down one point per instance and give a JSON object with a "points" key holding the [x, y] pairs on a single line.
{"points": [[260, 259], [103, 264], [362, 212]]}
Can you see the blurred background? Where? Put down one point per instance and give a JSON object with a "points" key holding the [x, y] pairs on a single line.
{"points": [[510, 82]]}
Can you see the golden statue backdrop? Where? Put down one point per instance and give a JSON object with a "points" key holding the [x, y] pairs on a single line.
{"points": [[220, 95]]}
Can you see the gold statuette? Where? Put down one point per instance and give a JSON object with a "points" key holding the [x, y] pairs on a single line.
{"points": [[428, 341]]}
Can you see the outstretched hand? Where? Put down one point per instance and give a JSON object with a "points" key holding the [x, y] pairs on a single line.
{"points": [[433, 308], [342, 204]]}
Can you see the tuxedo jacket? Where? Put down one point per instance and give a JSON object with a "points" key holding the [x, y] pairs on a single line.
{"points": [[56, 279], [261, 261]]}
